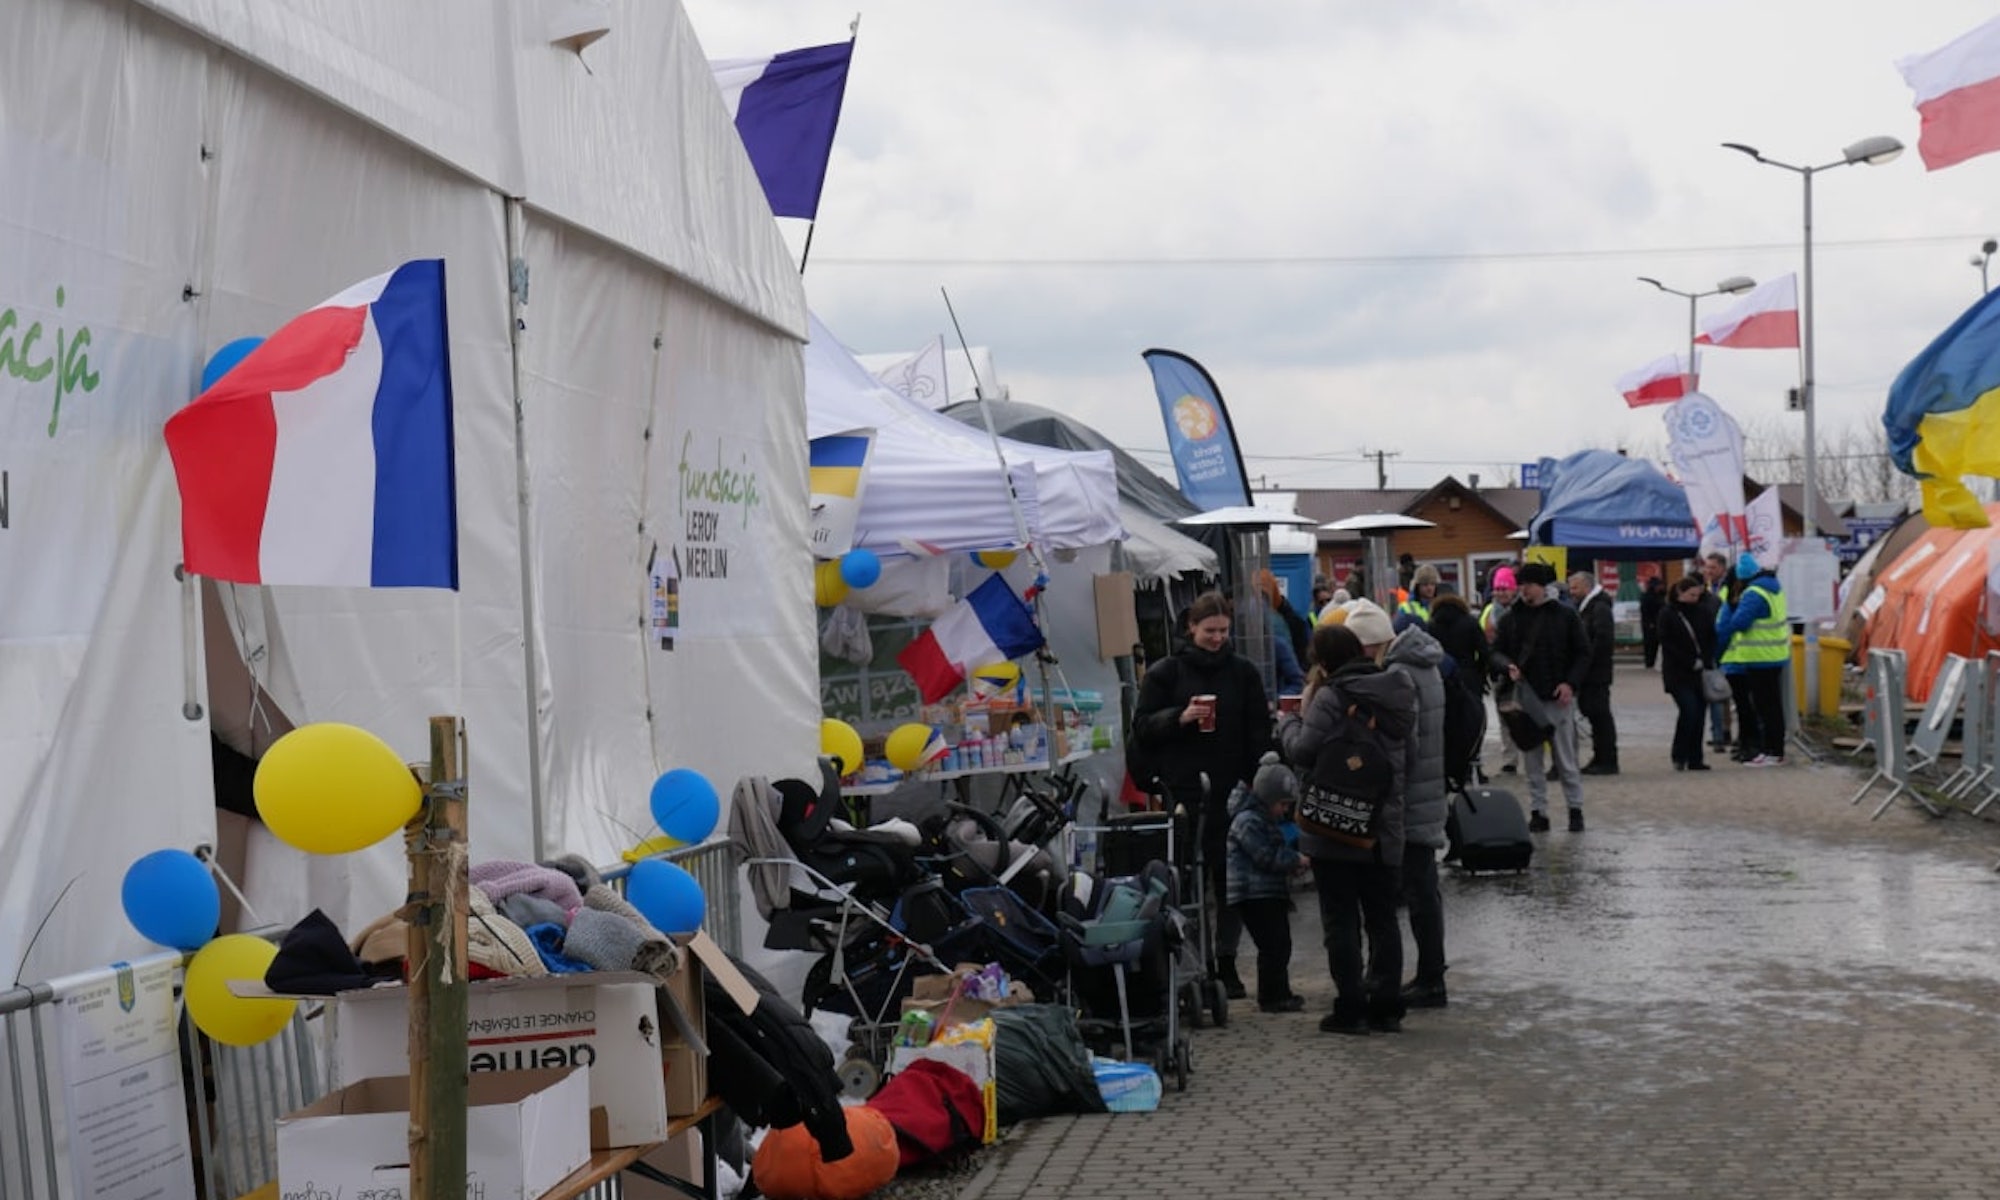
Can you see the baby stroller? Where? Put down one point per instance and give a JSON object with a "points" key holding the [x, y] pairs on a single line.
{"points": [[1121, 938], [971, 849], [1127, 842]]}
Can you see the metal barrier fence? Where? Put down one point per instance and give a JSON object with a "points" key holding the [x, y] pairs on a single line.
{"points": [[235, 1094]]}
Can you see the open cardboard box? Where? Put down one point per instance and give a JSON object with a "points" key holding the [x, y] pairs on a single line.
{"points": [[525, 1131]]}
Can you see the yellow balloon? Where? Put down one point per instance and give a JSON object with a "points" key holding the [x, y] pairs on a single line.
{"points": [[911, 746], [217, 1011], [829, 588], [839, 740], [328, 788], [994, 560], [652, 847]]}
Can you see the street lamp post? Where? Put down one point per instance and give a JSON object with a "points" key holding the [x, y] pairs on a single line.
{"points": [[1874, 151], [1731, 286], [1981, 259]]}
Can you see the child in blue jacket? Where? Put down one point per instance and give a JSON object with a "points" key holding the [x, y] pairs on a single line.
{"points": [[1260, 871]]}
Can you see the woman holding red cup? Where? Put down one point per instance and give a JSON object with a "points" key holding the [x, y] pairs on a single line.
{"points": [[1203, 711]]}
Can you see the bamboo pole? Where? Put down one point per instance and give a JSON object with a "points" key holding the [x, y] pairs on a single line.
{"points": [[435, 844]]}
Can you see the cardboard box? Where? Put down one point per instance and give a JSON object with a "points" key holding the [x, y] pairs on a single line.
{"points": [[607, 1022], [524, 1132], [684, 1049], [1117, 614], [933, 994], [684, 1157]]}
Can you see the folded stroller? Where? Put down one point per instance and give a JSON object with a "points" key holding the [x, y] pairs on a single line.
{"points": [[1122, 937]]}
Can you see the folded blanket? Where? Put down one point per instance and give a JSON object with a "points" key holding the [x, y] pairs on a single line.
{"points": [[501, 879], [657, 955], [548, 941], [526, 908], [607, 941]]}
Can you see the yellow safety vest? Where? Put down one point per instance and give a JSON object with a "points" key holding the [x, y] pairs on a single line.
{"points": [[1416, 608], [1769, 640]]}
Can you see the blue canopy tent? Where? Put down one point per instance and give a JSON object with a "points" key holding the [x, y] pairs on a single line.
{"points": [[1602, 505]]}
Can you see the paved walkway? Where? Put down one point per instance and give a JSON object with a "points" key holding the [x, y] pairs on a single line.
{"points": [[1734, 984]]}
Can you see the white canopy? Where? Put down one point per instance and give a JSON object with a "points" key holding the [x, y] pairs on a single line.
{"points": [[933, 480]]}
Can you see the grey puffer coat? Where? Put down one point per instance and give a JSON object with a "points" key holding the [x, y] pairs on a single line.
{"points": [[1393, 700], [1416, 654]]}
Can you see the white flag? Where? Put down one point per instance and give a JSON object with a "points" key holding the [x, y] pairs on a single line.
{"points": [[1707, 449], [920, 377], [1764, 518]]}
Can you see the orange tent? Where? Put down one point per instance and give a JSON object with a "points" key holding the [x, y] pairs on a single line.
{"points": [[1932, 601]]}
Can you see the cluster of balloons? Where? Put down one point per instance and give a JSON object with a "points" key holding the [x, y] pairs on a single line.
{"points": [[855, 570], [838, 740], [329, 788], [915, 746], [171, 898]]}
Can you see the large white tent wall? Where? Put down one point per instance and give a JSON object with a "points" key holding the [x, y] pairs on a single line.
{"points": [[624, 329]]}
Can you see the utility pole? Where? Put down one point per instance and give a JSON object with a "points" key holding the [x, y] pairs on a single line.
{"points": [[1381, 466]]}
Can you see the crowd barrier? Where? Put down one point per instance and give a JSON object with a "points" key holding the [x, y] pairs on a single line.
{"points": [[235, 1094]]}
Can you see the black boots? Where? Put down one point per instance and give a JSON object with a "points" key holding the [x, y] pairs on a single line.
{"points": [[1232, 984]]}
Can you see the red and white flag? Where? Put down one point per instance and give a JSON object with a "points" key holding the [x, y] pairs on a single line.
{"points": [[1766, 319], [1662, 381], [1958, 96]]}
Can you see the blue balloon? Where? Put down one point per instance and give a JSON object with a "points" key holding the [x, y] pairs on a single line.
{"points": [[170, 897], [686, 806], [222, 361], [666, 895], [860, 568]]}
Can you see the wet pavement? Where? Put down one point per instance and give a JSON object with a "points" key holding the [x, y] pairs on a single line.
{"points": [[1733, 984]]}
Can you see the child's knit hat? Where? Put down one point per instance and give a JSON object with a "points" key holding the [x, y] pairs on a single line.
{"points": [[1275, 781]]}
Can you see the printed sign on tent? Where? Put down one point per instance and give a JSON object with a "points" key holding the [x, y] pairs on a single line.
{"points": [[838, 476], [122, 1090]]}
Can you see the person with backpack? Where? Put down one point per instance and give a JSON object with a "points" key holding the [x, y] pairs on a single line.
{"points": [[1417, 656], [1349, 740], [1201, 713]]}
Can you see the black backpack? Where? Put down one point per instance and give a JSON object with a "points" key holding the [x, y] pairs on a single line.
{"points": [[1354, 773]]}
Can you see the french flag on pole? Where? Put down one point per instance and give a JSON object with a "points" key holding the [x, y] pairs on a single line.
{"points": [[325, 455], [1662, 381], [990, 625], [1766, 319], [1957, 89], [786, 107]]}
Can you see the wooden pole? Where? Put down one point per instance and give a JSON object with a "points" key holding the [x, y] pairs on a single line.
{"points": [[435, 844]]}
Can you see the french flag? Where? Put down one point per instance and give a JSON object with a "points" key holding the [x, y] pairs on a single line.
{"points": [[990, 625], [1765, 319], [325, 456], [1662, 381], [1957, 91], [786, 107]]}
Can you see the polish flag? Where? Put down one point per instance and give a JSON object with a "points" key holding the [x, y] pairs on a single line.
{"points": [[1958, 96], [1766, 319], [325, 456], [990, 625], [1662, 381]]}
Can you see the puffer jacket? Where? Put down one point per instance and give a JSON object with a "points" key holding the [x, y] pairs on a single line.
{"points": [[1260, 864], [1393, 700], [1417, 655]]}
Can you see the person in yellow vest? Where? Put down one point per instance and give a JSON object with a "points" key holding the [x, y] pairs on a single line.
{"points": [[1756, 644], [1423, 590]]}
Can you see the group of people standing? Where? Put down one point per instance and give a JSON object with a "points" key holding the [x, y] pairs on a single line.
{"points": [[1204, 722], [1732, 622]]}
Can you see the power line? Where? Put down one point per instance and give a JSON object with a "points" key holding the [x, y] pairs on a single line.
{"points": [[1392, 260]]}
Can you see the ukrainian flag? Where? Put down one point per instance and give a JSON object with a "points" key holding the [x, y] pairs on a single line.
{"points": [[1943, 417], [836, 463]]}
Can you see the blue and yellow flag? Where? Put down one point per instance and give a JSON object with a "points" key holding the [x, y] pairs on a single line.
{"points": [[1943, 417], [836, 469]]}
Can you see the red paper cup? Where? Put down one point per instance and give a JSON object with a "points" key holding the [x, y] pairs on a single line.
{"points": [[1207, 703]]}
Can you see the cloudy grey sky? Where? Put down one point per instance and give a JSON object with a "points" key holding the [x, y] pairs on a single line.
{"points": [[1412, 227]]}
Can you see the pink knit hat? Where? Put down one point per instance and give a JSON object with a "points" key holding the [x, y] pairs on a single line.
{"points": [[1503, 577]]}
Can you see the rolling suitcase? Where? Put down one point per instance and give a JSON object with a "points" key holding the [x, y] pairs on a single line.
{"points": [[1487, 831]]}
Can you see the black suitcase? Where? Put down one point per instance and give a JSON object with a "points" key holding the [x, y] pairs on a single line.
{"points": [[1487, 831]]}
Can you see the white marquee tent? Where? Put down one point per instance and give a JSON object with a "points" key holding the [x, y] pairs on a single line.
{"points": [[624, 323]]}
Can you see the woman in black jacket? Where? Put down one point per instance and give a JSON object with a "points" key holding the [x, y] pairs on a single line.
{"points": [[1687, 644], [1222, 738]]}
